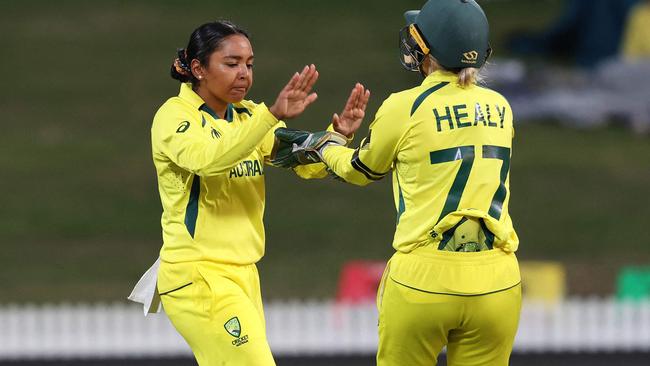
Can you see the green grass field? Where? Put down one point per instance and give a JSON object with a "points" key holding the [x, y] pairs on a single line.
{"points": [[79, 216]]}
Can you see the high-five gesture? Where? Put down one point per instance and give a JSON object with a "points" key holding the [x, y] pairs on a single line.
{"points": [[352, 115], [295, 96]]}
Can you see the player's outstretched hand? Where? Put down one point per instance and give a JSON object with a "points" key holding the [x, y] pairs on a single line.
{"points": [[295, 96], [296, 147], [352, 115]]}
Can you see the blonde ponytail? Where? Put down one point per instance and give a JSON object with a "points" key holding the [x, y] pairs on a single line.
{"points": [[468, 76]]}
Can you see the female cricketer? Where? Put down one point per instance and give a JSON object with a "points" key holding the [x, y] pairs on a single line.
{"points": [[209, 148], [454, 279]]}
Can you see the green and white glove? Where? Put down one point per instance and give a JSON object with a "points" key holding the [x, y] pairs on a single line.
{"points": [[296, 147]]}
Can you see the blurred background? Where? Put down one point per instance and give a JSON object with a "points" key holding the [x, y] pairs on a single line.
{"points": [[80, 212]]}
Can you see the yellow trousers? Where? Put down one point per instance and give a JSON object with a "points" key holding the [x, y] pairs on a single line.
{"points": [[478, 329], [220, 315]]}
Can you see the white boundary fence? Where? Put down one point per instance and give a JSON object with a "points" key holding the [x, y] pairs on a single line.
{"points": [[301, 328]]}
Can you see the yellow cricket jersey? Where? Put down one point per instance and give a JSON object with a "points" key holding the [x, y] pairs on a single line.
{"points": [[449, 151], [211, 181]]}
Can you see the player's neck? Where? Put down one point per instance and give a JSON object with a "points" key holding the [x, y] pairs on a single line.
{"points": [[217, 105]]}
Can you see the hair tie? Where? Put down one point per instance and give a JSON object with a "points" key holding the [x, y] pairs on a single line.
{"points": [[180, 64]]}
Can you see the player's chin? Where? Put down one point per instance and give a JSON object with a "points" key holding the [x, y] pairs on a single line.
{"points": [[237, 94]]}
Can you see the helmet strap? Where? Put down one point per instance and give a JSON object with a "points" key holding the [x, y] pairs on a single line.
{"points": [[415, 33]]}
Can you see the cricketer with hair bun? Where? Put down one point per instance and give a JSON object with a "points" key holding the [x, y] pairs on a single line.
{"points": [[210, 146], [454, 279]]}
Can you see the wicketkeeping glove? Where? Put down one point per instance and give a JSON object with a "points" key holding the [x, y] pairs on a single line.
{"points": [[296, 147]]}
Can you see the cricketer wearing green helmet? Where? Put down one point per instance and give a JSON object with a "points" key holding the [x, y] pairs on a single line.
{"points": [[454, 279], [454, 32]]}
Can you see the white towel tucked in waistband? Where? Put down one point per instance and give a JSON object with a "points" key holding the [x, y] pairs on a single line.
{"points": [[145, 291]]}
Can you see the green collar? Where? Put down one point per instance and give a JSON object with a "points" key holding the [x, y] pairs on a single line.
{"points": [[187, 94], [229, 112]]}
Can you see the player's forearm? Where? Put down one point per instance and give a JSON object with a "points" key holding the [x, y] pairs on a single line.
{"points": [[339, 160], [311, 171]]}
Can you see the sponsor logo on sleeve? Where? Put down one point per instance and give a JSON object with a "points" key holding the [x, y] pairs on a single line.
{"points": [[183, 127]]}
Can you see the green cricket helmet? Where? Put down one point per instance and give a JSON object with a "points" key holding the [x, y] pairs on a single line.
{"points": [[454, 32]]}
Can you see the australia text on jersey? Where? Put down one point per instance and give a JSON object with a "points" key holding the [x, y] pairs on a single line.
{"points": [[246, 168]]}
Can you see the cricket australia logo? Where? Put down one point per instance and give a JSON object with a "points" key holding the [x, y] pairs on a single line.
{"points": [[233, 327]]}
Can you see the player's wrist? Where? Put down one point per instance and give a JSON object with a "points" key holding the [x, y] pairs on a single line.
{"points": [[276, 112]]}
